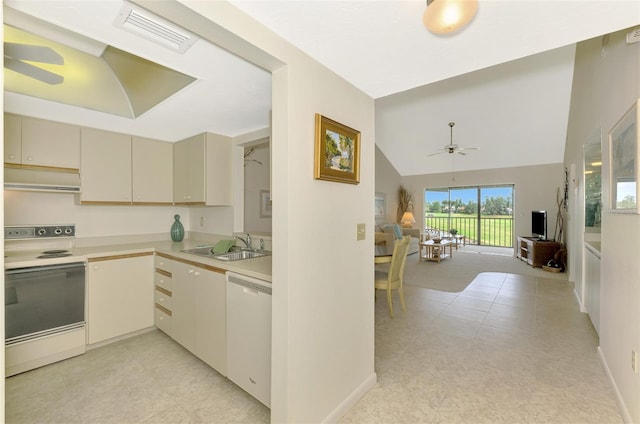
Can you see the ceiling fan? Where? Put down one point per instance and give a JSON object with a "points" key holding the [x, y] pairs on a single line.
{"points": [[453, 148], [16, 57]]}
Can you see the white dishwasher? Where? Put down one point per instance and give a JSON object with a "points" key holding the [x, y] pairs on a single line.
{"points": [[249, 335]]}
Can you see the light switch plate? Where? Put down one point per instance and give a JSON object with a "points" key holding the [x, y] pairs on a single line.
{"points": [[361, 232]]}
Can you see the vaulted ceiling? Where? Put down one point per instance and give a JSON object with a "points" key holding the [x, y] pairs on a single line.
{"points": [[505, 80]]}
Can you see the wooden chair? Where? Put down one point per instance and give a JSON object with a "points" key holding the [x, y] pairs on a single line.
{"points": [[392, 280]]}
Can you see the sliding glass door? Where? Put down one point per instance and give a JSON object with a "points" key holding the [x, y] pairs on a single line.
{"points": [[483, 214]]}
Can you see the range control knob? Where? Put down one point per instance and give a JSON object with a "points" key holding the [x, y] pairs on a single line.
{"points": [[68, 231], [58, 231], [42, 231]]}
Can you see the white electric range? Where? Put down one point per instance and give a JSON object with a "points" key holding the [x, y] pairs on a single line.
{"points": [[45, 291]]}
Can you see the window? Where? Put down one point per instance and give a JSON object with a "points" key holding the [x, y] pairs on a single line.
{"points": [[484, 214]]}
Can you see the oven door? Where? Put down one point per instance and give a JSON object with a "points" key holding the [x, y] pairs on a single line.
{"points": [[43, 300]]}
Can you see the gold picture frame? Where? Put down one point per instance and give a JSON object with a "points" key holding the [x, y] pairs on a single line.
{"points": [[337, 152], [624, 160]]}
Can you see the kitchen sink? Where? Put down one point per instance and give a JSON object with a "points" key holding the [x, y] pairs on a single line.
{"points": [[239, 255], [234, 255]]}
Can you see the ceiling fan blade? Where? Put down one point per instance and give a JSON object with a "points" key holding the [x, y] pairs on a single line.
{"points": [[41, 54], [461, 153], [434, 154], [33, 71]]}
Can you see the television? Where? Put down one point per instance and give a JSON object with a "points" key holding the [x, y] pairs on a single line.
{"points": [[539, 224]]}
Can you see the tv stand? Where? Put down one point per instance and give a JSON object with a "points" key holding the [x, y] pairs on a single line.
{"points": [[536, 252]]}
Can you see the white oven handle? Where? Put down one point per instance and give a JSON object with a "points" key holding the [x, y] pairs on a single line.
{"points": [[43, 268]]}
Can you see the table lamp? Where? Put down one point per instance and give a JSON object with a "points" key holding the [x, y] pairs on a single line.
{"points": [[407, 220]]}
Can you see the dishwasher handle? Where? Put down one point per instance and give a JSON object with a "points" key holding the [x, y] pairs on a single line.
{"points": [[249, 283]]}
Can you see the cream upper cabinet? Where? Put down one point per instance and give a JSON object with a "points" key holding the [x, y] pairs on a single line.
{"points": [[105, 172], [37, 143], [12, 139], [189, 170], [152, 171], [202, 170]]}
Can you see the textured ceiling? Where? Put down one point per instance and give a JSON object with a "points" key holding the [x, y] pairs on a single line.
{"points": [[230, 97], [505, 79]]}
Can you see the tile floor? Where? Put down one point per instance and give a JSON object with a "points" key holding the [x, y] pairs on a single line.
{"points": [[508, 349]]}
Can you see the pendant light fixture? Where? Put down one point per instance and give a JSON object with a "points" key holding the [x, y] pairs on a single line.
{"points": [[447, 16]]}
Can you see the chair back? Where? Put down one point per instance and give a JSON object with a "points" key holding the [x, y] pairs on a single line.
{"points": [[398, 259]]}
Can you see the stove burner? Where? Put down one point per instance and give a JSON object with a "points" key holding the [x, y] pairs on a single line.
{"points": [[56, 253]]}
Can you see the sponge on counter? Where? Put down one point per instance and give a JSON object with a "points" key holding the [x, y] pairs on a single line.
{"points": [[223, 246]]}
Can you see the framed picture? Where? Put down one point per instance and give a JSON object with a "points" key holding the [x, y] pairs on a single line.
{"points": [[265, 204], [380, 206], [337, 152], [623, 160]]}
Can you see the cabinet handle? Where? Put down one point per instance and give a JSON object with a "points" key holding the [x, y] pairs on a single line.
{"points": [[29, 158], [96, 267], [11, 157]]}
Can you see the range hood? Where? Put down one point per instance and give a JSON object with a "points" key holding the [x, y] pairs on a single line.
{"points": [[48, 181]]}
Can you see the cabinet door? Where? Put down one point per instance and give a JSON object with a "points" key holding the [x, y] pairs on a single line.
{"points": [[189, 170], [183, 301], [152, 171], [105, 174], [210, 319], [50, 144], [120, 292], [12, 139], [219, 170]]}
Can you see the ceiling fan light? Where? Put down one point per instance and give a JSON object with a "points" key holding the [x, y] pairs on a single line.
{"points": [[448, 16]]}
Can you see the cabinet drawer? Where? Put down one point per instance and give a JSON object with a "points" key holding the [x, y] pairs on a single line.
{"points": [[163, 319], [163, 298], [163, 281], [164, 264]]}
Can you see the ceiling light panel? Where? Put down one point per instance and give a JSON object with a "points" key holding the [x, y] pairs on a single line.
{"points": [[147, 25]]}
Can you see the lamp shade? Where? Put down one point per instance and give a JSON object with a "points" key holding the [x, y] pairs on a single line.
{"points": [[447, 16], [407, 219]]}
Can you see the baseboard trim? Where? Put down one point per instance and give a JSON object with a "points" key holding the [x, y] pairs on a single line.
{"points": [[350, 401], [626, 417]]}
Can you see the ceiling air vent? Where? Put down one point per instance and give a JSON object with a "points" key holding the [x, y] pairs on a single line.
{"points": [[145, 24], [633, 36]]}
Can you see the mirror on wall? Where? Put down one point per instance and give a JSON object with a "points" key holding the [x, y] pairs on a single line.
{"points": [[593, 185], [257, 195]]}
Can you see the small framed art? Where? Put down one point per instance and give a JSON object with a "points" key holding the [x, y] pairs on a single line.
{"points": [[337, 152]]}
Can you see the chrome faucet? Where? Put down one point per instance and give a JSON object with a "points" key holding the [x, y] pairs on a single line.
{"points": [[246, 242]]}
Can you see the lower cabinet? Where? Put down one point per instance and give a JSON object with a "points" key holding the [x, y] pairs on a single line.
{"points": [[120, 295], [194, 314]]}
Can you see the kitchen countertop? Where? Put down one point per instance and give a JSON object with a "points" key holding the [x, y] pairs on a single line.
{"points": [[259, 268]]}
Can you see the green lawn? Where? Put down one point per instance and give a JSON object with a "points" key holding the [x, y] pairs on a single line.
{"points": [[496, 230]]}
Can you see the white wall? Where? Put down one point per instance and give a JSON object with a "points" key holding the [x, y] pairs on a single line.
{"points": [[323, 317], [535, 188], [606, 83], [257, 177], [388, 182], [23, 208]]}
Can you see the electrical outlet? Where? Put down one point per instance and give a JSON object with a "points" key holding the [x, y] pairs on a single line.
{"points": [[361, 232], [634, 361], [202, 221]]}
